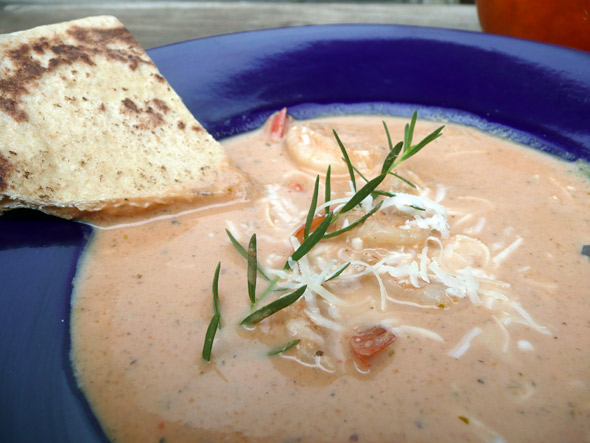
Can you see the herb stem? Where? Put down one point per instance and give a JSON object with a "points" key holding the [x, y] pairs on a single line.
{"points": [[406, 181], [360, 173], [284, 348], [268, 290], [337, 272]]}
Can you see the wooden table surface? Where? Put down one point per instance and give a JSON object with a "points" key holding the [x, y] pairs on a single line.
{"points": [[160, 23]]}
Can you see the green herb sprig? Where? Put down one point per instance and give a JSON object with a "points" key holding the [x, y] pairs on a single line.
{"points": [[397, 154], [214, 324], [410, 150]]}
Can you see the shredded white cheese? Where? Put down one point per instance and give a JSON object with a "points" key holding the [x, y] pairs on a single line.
{"points": [[433, 216], [416, 330], [464, 344], [457, 267], [507, 251]]}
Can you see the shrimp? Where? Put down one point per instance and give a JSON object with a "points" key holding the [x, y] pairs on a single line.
{"points": [[314, 147]]}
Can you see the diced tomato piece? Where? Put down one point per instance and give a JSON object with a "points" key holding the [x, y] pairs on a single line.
{"points": [[276, 125], [299, 234], [370, 342], [295, 187]]}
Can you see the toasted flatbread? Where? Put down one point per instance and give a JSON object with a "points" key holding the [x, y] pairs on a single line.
{"points": [[88, 123]]}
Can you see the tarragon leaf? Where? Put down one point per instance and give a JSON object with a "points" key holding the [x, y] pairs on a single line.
{"points": [[252, 268], [273, 307]]}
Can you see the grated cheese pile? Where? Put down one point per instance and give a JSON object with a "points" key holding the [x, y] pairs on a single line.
{"points": [[457, 264]]}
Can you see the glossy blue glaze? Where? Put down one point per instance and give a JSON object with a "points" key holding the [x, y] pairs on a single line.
{"points": [[39, 399], [529, 91], [532, 88]]}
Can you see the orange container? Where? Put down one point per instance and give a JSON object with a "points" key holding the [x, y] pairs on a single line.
{"points": [[563, 22]]}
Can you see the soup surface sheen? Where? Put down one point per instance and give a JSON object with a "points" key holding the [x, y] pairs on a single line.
{"points": [[478, 273]]}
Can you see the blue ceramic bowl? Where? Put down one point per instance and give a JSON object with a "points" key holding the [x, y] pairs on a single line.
{"points": [[534, 93]]}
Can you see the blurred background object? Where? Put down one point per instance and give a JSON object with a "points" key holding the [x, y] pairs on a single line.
{"points": [[439, 2], [161, 22], [563, 22]]}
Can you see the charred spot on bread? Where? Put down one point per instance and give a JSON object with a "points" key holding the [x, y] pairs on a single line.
{"points": [[161, 105], [130, 105], [10, 107], [5, 170], [27, 69], [98, 36]]}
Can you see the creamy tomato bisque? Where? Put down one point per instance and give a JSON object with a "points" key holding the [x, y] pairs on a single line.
{"points": [[472, 283]]}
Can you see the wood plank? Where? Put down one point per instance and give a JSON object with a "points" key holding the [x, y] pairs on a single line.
{"points": [[159, 23]]}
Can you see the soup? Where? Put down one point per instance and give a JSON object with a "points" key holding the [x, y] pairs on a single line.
{"points": [[463, 314]]}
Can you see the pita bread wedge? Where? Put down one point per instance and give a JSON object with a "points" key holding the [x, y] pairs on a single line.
{"points": [[87, 123]]}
